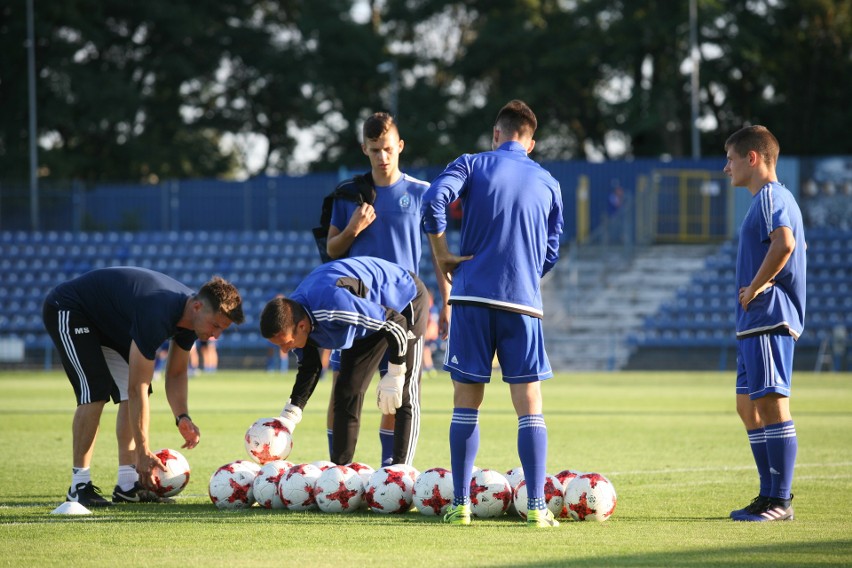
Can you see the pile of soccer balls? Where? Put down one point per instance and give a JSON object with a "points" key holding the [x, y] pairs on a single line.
{"points": [[275, 483]]}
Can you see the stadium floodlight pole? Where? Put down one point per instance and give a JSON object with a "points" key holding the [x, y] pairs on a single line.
{"points": [[32, 127], [389, 67], [694, 56]]}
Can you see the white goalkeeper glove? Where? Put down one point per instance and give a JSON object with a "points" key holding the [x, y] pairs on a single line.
{"points": [[389, 390], [292, 413]]}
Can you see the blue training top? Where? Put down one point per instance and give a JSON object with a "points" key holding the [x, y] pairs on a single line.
{"points": [[782, 305], [394, 235], [127, 304], [511, 225], [351, 298]]}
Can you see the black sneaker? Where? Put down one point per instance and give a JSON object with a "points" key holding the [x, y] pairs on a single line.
{"points": [[774, 510], [87, 495], [137, 494], [756, 506]]}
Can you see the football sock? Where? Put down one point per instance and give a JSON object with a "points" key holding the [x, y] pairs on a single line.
{"points": [[80, 475], [781, 446], [464, 445], [330, 442], [532, 449], [386, 439], [127, 477], [534, 503], [757, 439]]}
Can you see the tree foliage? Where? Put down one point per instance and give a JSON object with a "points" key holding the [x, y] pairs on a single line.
{"points": [[153, 90]]}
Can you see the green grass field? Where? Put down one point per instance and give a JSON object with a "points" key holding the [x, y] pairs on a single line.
{"points": [[670, 442]]}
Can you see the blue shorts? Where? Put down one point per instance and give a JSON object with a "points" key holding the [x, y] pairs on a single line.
{"points": [[765, 365], [477, 333], [334, 362]]}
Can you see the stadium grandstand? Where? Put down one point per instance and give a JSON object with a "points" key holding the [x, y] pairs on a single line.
{"points": [[645, 280]]}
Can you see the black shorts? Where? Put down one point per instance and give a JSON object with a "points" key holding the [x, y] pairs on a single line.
{"points": [[96, 372]]}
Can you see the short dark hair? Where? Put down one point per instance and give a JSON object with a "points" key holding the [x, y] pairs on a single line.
{"points": [[757, 138], [377, 125], [222, 297], [518, 118], [280, 314]]}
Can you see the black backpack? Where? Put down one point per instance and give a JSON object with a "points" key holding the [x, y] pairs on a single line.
{"points": [[359, 190]]}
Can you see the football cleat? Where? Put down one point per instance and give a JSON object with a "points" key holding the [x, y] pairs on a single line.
{"points": [[541, 518], [773, 510], [87, 495], [137, 494], [458, 515], [756, 506]]}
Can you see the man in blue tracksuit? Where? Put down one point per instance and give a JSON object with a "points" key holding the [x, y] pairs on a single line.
{"points": [[363, 306], [512, 219]]}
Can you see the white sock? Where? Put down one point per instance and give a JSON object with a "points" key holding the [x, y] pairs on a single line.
{"points": [[127, 477], [80, 475]]}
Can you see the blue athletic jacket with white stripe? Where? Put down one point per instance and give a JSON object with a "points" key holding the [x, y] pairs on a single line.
{"points": [[348, 300], [511, 225], [352, 298]]}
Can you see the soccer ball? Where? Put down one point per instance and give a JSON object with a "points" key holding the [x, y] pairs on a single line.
{"points": [[490, 494], [265, 486], [433, 491], [269, 439], [390, 490], [230, 486], [514, 476], [172, 481], [590, 497], [565, 477], [297, 487], [323, 464], [412, 471], [339, 490], [554, 498], [364, 472]]}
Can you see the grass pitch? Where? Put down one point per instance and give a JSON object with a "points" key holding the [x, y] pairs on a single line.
{"points": [[671, 443]]}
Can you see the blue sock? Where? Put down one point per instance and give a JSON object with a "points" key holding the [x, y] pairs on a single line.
{"points": [[532, 449], [330, 442], [781, 446], [757, 439], [464, 444], [386, 439]]}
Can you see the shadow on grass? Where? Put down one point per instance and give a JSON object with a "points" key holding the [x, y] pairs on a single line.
{"points": [[777, 554]]}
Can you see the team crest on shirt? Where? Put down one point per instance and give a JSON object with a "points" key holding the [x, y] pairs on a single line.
{"points": [[405, 201]]}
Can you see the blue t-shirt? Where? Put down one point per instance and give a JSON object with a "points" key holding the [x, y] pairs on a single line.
{"points": [[511, 225], [394, 235], [127, 304], [783, 304]]}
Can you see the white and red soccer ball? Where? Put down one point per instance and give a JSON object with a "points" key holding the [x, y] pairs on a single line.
{"points": [[265, 486], [514, 476], [390, 490], [364, 472], [269, 439], [230, 486], [172, 481], [565, 477], [590, 497], [433, 491], [553, 496], [339, 490], [297, 487], [490, 494]]}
